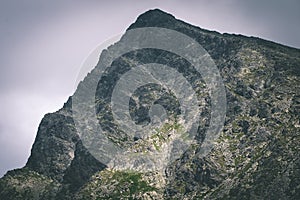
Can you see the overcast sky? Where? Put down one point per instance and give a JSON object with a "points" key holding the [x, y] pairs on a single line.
{"points": [[44, 43]]}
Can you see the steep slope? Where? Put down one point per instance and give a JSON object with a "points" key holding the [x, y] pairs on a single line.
{"points": [[257, 155]]}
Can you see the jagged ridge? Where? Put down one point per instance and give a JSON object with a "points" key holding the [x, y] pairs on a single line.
{"points": [[257, 155]]}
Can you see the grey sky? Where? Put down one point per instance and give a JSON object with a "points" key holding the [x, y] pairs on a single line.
{"points": [[43, 44]]}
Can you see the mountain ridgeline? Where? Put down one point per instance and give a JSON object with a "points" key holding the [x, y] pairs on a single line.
{"points": [[256, 156]]}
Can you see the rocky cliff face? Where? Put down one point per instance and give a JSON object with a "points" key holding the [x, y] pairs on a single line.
{"points": [[256, 156]]}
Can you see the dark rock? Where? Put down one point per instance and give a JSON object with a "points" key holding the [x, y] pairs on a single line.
{"points": [[255, 157]]}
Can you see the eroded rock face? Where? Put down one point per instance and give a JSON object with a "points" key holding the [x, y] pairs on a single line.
{"points": [[53, 150], [255, 157]]}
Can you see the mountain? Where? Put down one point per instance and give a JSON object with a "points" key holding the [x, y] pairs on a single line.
{"points": [[255, 156]]}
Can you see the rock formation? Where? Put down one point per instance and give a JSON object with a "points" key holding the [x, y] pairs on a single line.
{"points": [[256, 156]]}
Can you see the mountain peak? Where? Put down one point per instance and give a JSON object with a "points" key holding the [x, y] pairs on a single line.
{"points": [[260, 133], [156, 11], [153, 18]]}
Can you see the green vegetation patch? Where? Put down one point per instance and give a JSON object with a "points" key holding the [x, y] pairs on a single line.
{"points": [[112, 184]]}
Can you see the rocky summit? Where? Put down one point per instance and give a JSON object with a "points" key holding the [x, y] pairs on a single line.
{"points": [[255, 156]]}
